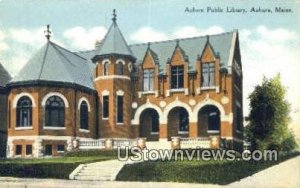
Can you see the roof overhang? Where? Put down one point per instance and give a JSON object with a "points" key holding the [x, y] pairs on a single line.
{"points": [[42, 83]]}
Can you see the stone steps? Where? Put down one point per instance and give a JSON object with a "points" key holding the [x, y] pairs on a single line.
{"points": [[99, 171]]}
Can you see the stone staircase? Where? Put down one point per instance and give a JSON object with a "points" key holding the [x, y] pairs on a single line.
{"points": [[99, 171]]}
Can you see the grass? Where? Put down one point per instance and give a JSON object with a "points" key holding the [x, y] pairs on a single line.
{"points": [[57, 167], [213, 172]]}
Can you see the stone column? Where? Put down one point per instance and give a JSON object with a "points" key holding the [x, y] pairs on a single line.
{"points": [[141, 142], [175, 142], [38, 148], [108, 144]]}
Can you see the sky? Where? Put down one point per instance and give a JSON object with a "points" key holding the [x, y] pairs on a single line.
{"points": [[269, 42]]}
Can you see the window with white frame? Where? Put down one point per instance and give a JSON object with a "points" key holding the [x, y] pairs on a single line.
{"points": [[120, 68], [208, 74], [177, 77], [148, 80], [105, 68], [24, 112], [55, 112], [84, 115]]}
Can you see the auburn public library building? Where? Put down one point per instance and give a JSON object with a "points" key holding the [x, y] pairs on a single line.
{"points": [[189, 89]]}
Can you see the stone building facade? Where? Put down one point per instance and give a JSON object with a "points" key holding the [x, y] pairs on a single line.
{"points": [[187, 88]]}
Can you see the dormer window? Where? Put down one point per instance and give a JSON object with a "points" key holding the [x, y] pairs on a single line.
{"points": [[177, 77], [148, 79], [208, 74]]}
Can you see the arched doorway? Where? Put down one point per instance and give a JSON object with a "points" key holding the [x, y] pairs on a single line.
{"points": [[149, 124], [209, 121], [178, 122]]}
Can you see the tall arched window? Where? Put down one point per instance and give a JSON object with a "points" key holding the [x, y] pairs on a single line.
{"points": [[120, 68], [24, 112], [55, 112], [84, 115], [105, 68]]}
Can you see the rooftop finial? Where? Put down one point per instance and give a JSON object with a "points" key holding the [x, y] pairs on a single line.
{"points": [[48, 32], [207, 37], [177, 42], [114, 16]]}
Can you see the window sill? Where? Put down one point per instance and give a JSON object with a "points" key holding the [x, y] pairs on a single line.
{"points": [[154, 133], [84, 130], [212, 131], [208, 87], [54, 128], [120, 123], [104, 118], [183, 132], [147, 92], [177, 90], [60, 151], [23, 128]]}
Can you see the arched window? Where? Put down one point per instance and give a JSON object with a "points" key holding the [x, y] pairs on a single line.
{"points": [[24, 112], [84, 115], [55, 112], [105, 68], [120, 68]]}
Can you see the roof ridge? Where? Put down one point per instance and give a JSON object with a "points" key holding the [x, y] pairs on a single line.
{"points": [[44, 58], [176, 39], [68, 50], [61, 54]]}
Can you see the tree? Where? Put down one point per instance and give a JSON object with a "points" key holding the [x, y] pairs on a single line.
{"points": [[269, 117]]}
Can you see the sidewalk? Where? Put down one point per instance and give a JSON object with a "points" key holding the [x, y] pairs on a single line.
{"points": [[286, 174], [55, 183]]}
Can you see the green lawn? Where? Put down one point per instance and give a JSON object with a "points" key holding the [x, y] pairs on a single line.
{"points": [[58, 167], [213, 172]]}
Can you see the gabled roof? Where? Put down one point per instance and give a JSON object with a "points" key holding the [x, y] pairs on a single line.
{"points": [[4, 76], [223, 44], [113, 43], [55, 64]]}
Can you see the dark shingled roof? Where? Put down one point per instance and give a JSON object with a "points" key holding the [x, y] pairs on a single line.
{"points": [[4, 76], [56, 64]]}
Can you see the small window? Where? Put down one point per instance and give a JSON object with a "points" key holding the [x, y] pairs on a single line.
{"points": [[177, 77], [28, 149], [208, 74], [60, 148], [119, 109], [84, 115], [105, 106], [48, 149], [18, 149], [105, 68], [148, 80], [120, 70]]}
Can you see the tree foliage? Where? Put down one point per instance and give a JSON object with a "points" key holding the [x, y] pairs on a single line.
{"points": [[269, 117]]}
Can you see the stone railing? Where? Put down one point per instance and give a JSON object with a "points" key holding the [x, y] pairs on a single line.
{"points": [[112, 143], [92, 144], [122, 143], [198, 142]]}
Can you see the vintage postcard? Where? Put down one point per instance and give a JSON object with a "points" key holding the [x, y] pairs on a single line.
{"points": [[150, 93]]}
